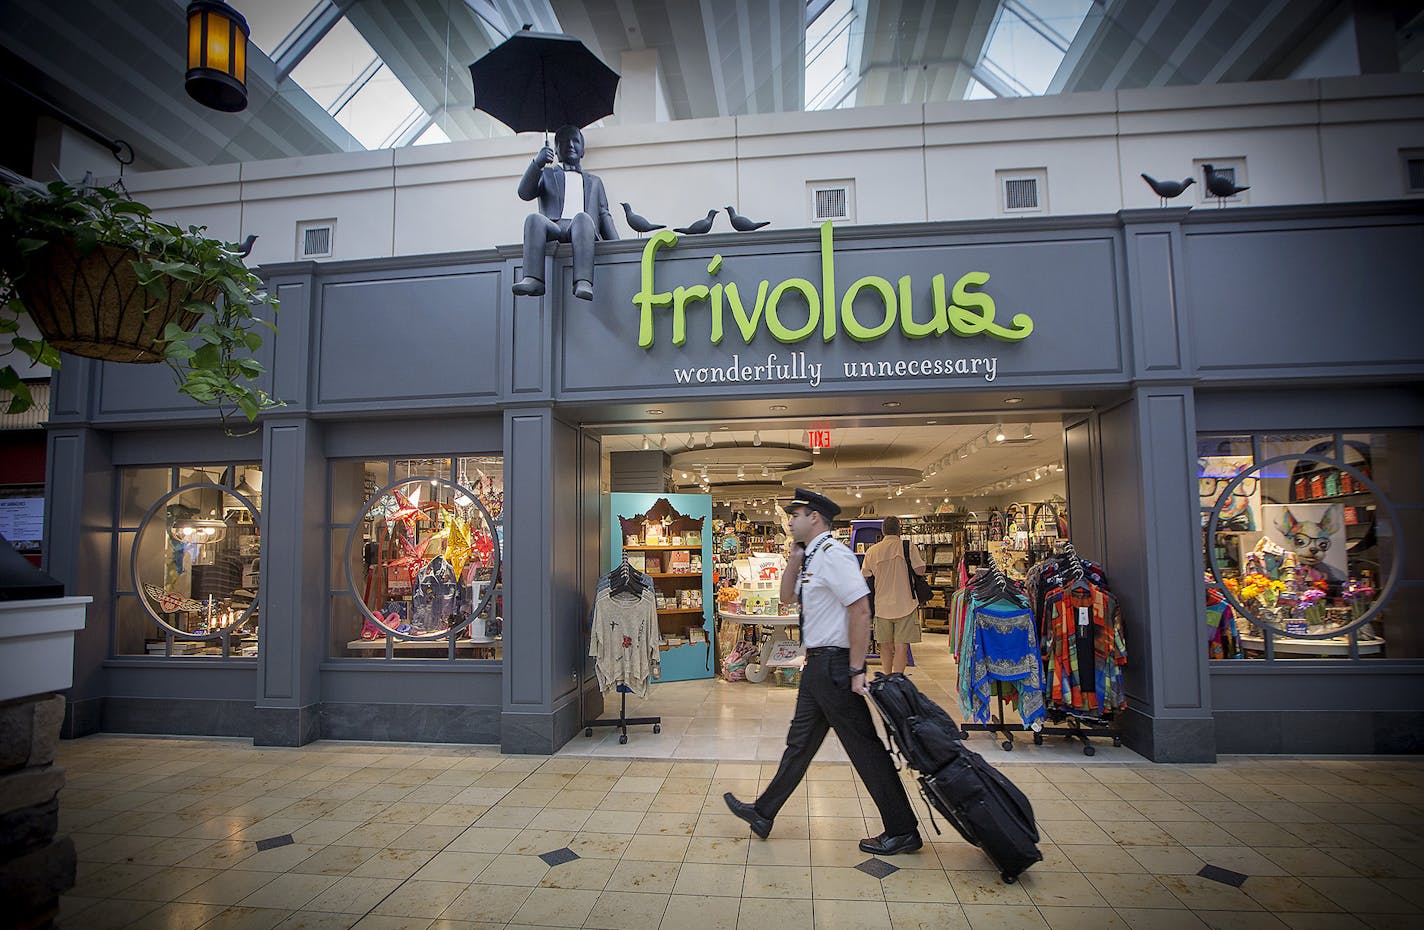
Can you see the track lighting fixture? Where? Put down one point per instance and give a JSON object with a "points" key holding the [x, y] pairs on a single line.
{"points": [[756, 438], [857, 493], [647, 444], [741, 473], [765, 471], [1028, 431], [709, 440], [662, 441], [999, 432]]}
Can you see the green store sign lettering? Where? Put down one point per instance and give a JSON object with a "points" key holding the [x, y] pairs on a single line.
{"points": [[968, 311]]}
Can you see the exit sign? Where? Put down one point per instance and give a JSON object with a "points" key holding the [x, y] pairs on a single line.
{"points": [[819, 438]]}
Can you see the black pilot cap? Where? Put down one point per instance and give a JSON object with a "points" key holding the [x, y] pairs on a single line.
{"points": [[813, 501]]}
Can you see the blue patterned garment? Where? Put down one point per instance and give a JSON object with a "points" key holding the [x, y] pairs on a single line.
{"points": [[1005, 648]]}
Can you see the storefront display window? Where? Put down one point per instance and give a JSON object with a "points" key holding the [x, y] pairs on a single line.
{"points": [[416, 546], [188, 559], [1302, 544]]}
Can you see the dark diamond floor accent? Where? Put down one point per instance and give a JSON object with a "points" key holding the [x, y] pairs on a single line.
{"points": [[877, 868], [559, 856], [1225, 876], [272, 842]]}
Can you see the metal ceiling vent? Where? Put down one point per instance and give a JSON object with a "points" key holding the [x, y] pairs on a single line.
{"points": [[832, 200], [316, 238], [1023, 190]]}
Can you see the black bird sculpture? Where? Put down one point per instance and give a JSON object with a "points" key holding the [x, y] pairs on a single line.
{"points": [[741, 223], [1220, 186], [1166, 190], [699, 227], [244, 248], [638, 223]]}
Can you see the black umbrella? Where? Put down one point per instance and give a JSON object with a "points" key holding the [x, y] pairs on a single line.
{"points": [[539, 81]]}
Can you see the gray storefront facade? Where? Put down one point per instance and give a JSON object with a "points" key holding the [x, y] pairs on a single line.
{"points": [[1152, 328]]}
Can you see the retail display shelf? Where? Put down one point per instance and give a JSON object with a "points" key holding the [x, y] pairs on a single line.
{"points": [[1338, 646], [763, 619], [373, 645], [680, 610], [696, 548], [696, 575]]}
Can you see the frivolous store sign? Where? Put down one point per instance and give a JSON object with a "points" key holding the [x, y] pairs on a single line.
{"points": [[970, 311], [718, 317]]}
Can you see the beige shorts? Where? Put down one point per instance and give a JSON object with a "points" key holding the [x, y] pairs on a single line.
{"points": [[904, 629]]}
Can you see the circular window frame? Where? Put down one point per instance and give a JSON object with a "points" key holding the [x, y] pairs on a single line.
{"points": [[485, 601], [1382, 502], [137, 580]]}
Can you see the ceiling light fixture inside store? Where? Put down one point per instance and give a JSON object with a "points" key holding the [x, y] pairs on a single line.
{"points": [[891, 404], [709, 440], [765, 471], [1013, 400], [857, 493], [741, 473], [999, 432], [756, 438], [655, 411], [777, 408], [647, 443], [1028, 431]]}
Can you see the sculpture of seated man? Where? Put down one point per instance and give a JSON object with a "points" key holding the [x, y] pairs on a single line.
{"points": [[563, 214]]}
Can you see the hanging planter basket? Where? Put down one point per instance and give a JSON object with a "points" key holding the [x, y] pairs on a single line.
{"points": [[93, 305]]}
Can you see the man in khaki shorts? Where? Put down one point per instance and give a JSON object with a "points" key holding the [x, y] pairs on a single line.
{"points": [[897, 613]]}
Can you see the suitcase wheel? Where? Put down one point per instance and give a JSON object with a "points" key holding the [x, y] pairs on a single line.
{"points": [[1038, 739], [1008, 745], [1089, 751], [588, 731], [1008, 879], [622, 738], [1117, 740], [657, 728]]}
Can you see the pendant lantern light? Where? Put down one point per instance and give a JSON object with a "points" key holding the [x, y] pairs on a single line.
{"points": [[217, 56]]}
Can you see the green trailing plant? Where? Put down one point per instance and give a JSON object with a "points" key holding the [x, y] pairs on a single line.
{"points": [[64, 244]]}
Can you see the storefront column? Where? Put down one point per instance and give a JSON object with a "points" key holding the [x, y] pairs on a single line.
{"points": [[544, 600], [293, 583], [1152, 538], [78, 533]]}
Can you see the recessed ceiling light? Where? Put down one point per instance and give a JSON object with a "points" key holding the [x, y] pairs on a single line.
{"points": [[1013, 400], [931, 422], [724, 427], [655, 411], [891, 404], [778, 407]]}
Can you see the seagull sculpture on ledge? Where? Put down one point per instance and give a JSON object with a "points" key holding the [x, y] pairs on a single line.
{"points": [[699, 227], [743, 224], [1166, 190], [638, 223]]}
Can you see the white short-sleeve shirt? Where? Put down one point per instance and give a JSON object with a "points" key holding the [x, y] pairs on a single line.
{"points": [[830, 582]]}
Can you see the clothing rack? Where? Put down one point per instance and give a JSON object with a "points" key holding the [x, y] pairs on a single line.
{"points": [[623, 578], [997, 722]]}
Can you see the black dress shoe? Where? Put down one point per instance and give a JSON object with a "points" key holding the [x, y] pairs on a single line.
{"points": [[887, 845], [761, 826], [528, 286]]}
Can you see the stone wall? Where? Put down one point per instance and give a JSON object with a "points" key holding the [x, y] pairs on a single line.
{"points": [[36, 866]]}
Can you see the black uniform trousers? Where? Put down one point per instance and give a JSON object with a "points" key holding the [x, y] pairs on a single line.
{"points": [[824, 700]]}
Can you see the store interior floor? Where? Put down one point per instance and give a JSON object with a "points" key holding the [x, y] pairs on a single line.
{"points": [[180, 834], [715, 719]]}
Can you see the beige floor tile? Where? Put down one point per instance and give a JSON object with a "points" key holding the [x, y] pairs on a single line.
{"points": [[724, 824], [494, 903], [764, 913], [1167, 860], [1262, 834], [704, 912], [725, 850], [514, 870], [581, 874], [387, 922], [556, 907], [1089, 859], [1135, 833], [1234, 920], [626, 910], [851, 915], [166, 885], [1283, 893], [503, 815], [1377, 863], [415, 898], [657, 848], [536, 798], [778, 851], [1133, 890], [238, 917], [335, 860], [483, 839], [316, 920], [426, 836], [668, 823], [1203, 894], [1305, 861], [777, 881], [600, 845], [699, 879], [453, 866], [291, 892], [226, 887], [1003, 917], [112, 914], [1081, 918], [372, 834], [102, 880], [929, 886], [394, 863], [172, 916], [839, 828], [906, 915], [638, 875], [605, 821], [533, 842], [1071, 832], [986, 888], [1061, 889], [353, 895], [456, 815], [1357, 895], [844, 883], [1329, 921], [1238, 859]]}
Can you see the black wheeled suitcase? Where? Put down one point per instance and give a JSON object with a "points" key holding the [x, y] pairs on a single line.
{"points": [[979, 801]]}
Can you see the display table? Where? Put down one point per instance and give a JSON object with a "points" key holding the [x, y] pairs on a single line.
{"points": [[1337, 646], [489, 647], [762, 669]]}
